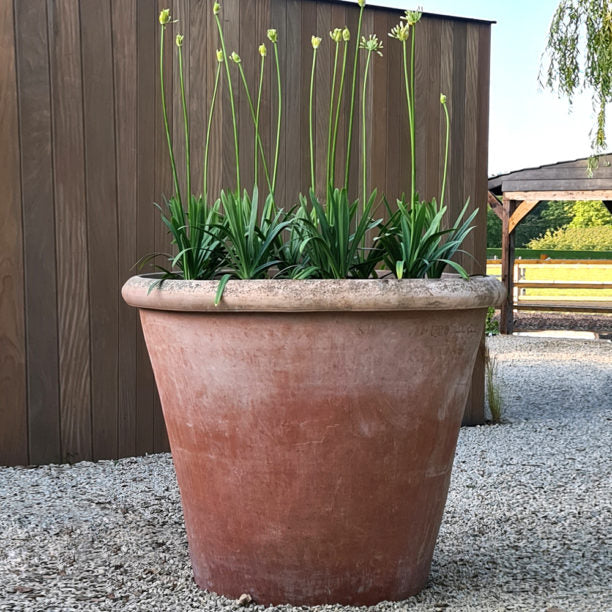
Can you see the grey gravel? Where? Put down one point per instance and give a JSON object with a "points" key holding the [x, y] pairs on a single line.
{"points": [[528, 522]]}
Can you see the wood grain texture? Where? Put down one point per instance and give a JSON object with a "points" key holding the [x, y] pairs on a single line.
{"points": [[13, 397], [125, 99], [101, 192], [71, 237], [92, 158], [38, 231]]}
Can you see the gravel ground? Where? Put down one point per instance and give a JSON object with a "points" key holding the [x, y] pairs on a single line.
{"points": [[527, 526]]}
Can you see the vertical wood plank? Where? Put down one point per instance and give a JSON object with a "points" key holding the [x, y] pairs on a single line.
{"points": [[434, 163], [124, 27], [294, 104], [101, 190], [309, 28], [71, 223], [39, 231], [321, 94], [13, 402], [216, 154], [397, 180], [147, 116]]}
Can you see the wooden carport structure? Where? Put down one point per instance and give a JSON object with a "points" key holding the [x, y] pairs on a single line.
{"points": [[522, 190]]}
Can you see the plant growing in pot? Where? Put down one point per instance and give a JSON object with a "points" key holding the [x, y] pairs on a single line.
{"points": [[312, 399]]}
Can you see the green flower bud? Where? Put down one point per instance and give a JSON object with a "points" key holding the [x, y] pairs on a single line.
{"points": [[442, 99], [235, 57], [336, 35], [316, 41], [272, 35], [346, 35], [216, 8], [179, 40], [412, 17], [361, 3], [164, 17], [262, 50], [401, 31], [219, 56]]}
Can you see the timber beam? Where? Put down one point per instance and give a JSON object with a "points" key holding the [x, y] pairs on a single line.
{"points": [[496, 205]]}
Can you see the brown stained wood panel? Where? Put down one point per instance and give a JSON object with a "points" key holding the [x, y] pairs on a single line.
{"points": [[470, 170], [424, 110], [13, 402], [163, 180], [592, 184], [199, 65], [71, 223], [446, 87], [126, 91], [278, 15], [434, 136], [309, 27], [38, 231], [379, 109], [293, 106], [101, 190], [397, 181], [482, 153], [147, 118], [247, 49], [230, 20]]}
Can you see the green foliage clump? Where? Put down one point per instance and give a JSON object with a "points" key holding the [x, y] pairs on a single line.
{"points": [[576, 238], [590, 214]]}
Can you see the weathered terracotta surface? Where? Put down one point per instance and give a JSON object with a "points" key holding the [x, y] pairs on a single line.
{"points": [[313, 450]]}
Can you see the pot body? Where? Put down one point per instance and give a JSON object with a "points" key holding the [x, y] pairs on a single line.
{"points": [[313, 450]]}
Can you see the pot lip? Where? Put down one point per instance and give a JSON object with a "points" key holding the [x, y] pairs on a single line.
{"points": [[310, 295]]}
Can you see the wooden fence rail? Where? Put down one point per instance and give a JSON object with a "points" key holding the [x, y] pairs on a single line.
{"points": [[601, 304]]}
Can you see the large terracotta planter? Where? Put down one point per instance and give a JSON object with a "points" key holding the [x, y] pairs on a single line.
{"points": [[313, 426]]}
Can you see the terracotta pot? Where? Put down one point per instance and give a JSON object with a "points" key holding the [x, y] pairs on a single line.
{"points": [[313, 426]]}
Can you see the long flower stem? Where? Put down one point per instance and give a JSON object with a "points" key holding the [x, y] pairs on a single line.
{"points": [[186, 125], [177, 188], [363, 125], [208, 127], [257, 137], [351, 113], [412, 127], [330, 160], [447, 118], [233, 106], [259, 90], [410, 120], [279, 116], [337, 119], [312, 75]]}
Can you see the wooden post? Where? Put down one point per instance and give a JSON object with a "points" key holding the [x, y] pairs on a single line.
{"points": [[506, 324]]}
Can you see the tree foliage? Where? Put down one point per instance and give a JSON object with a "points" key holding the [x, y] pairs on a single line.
{"points": [[579, 57], [590, 214], [576, 239]]}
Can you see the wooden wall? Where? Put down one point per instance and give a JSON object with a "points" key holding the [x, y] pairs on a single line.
{"points": [[83, 157]]}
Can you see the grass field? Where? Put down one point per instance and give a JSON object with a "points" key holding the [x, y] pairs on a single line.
{"points": [[580, 272]]}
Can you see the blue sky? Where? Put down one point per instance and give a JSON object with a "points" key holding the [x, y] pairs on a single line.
{"points": [[528, 126]]}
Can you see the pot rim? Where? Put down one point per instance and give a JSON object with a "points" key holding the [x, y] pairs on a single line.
{"points": [[310, 295]]}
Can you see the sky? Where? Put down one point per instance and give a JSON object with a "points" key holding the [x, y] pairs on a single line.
{"points": [[529, 126]]}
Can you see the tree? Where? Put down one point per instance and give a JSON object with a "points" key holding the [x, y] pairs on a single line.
{"points": [[579, 56], [590, 214]]}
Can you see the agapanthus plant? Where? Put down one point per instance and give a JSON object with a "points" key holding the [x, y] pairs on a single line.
{"points": [[324, 234]]}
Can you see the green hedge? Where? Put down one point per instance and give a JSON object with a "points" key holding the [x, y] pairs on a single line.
{"points": [[552, 253], [578, 238]]}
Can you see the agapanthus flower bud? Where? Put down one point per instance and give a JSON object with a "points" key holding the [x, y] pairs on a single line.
{"points": [[412, 17], [346, 35], [361, 3], [216, 8], [219, 55], [262, 50], [401, 31], [272, 35], [442, 99], [164, 17], [371, 44], [336, 35], [316, 41], [235, 57], [179, 40]]}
